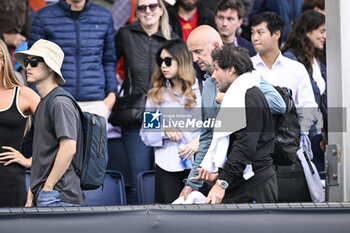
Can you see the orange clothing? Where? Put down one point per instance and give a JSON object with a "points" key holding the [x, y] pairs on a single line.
{"points": [[37, 4]]}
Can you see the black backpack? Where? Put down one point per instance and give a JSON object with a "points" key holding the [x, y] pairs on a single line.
{"points": [[287, 131], [95, 154]]}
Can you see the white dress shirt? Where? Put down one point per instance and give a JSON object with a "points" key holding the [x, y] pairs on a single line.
{"points": [[288, 73]]}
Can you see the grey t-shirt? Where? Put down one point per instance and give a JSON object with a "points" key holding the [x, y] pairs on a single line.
{"points": [[66, 123]]}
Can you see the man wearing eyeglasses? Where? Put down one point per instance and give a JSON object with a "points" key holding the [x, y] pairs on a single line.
{"points": [[84, 31], [58, 135]]}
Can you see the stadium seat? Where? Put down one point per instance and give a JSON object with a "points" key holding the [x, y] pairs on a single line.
{"points": [[145, 182], [117, 159], [111, 193]]}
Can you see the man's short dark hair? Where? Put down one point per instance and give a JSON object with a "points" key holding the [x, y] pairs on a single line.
{"points": [[237, 5], [232, 56], [274, 22]]}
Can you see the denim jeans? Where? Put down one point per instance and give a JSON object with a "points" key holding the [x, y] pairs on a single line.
{"points": [[52, 199], [139, 158]]}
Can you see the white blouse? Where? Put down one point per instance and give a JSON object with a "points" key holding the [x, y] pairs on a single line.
{"points": [[316, 74]]}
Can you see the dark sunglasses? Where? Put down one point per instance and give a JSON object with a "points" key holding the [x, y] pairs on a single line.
{"points": [[33, 61], [143, 8], [166, 60]]}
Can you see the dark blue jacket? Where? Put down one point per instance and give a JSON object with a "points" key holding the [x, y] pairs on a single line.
{"points": [[88, 45], [246, 44]]}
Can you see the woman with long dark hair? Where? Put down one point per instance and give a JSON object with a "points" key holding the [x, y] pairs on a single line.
{"points": [[306, 44], [177, 97]]}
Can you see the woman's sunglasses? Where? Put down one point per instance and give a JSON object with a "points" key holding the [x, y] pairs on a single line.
{"points": [[33, 61], [143, 8], [166, 60]]}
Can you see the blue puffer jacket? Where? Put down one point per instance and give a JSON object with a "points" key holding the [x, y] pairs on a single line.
{"points": [[88, 45]]}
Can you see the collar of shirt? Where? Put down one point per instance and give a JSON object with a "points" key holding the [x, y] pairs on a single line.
{"points": [[280, 60]]}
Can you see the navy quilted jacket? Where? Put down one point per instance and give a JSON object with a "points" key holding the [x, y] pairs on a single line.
{"points": [[88, 45]]}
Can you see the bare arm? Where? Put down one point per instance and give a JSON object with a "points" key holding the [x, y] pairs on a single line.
{"points": [[63, 159], [173, 134], [14, 156], [110, 100], [30, 196], [205, 175], [14, 39], [215, 195], [190, 149], [28, 100]]}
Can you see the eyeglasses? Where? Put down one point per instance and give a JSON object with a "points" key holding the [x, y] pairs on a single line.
{"points": [[33, 61], [143, 8], [166, 60]]}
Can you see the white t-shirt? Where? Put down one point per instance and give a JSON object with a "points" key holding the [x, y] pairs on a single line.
{"points": [[316, 74]]}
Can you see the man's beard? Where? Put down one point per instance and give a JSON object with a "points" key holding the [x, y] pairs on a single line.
{"points": [[188, 6]]}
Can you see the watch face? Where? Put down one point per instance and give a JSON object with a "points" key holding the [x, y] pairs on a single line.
{"points": [[223, 184]]}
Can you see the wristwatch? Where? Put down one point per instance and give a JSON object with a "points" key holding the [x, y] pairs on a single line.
{"points": [[223, 183]]}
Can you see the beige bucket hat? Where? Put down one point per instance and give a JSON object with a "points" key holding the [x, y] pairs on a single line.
{"points": [[49, 51]]}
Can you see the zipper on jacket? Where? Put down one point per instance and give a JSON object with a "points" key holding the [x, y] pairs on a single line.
{"points": [[77, 57], [89, 138], [150, 70]]}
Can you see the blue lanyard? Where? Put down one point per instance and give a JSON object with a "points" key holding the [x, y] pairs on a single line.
{"points": [[302, 139], [305, 154]]}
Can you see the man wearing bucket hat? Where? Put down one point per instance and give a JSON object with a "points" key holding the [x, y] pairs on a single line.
{"points": [[86, 35], [53, 181]]}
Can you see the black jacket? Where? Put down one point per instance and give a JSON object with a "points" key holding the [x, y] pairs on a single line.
{"points": [[138, 50], [252, 145], [205, 16]]}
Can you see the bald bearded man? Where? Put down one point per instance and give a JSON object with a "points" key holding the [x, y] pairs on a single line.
{"points": [[201, 42]]}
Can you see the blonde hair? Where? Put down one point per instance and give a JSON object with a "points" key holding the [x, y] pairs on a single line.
{"points": [[9, 79], [179, 52], [164, 19]]}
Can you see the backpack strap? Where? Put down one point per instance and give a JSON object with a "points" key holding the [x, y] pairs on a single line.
{"points": [[61, 92], [150, 85], [118, 94]]}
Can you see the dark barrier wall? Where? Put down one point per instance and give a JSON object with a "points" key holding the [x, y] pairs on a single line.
{"points": [[244, 218]]}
